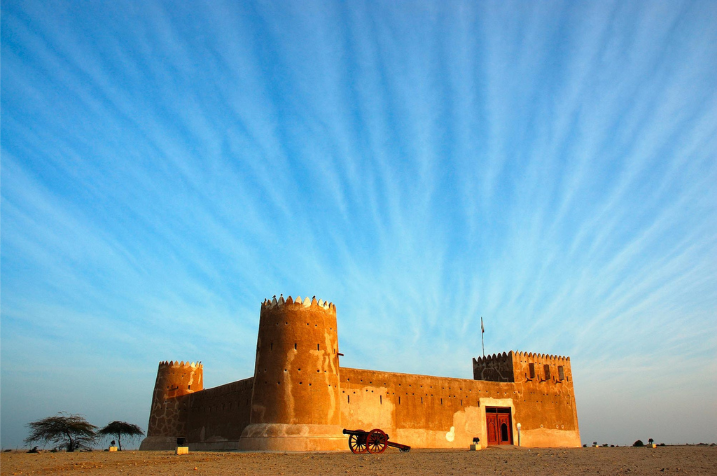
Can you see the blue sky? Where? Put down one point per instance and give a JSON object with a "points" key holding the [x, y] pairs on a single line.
{"points": [[550, 166]]}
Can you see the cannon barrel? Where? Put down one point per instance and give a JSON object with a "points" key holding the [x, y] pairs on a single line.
{"points": [[358, 433], [354, 432]]}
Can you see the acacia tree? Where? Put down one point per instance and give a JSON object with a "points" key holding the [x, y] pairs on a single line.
{"points": [[69, 430], [119, 428]]}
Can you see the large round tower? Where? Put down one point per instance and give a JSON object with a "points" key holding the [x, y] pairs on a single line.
{"points": [[168, 415], [295, 402]]}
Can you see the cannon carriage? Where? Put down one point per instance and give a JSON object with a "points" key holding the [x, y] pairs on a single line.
{"points": [[373, 442]]}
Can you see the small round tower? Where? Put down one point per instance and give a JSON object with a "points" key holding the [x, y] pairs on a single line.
{"points": [[168, 415], [295, 401]]}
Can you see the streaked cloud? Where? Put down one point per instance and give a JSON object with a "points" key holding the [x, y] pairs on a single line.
{"points": [[549, 166]]}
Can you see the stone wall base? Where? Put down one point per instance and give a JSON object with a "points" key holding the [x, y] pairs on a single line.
{"points": [[282, 437], [158, 443], [226, 445]]}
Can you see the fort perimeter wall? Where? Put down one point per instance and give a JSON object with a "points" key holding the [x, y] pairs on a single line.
{"points": [[300, 398], [441, 412]]}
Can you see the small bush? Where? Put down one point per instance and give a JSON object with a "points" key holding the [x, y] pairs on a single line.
{"points": [[638, 443]]}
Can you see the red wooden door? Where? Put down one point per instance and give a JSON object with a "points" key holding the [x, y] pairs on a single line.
{"points": [[492, 427], [498, 426]]}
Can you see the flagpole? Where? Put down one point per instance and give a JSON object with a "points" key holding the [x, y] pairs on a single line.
{"points": [[482, 331]]}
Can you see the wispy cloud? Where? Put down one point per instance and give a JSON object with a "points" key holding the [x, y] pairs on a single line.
{"points": [[549, 166]]}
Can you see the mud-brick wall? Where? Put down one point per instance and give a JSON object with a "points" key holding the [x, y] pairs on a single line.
{"points": [[419, 410], [438, 412], [220, 413], [546, 408]]}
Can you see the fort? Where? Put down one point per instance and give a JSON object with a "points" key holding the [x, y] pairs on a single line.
{"points": [[300, 398]]}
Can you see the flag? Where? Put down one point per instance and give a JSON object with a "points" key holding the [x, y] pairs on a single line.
{"points": [[482, 329]]}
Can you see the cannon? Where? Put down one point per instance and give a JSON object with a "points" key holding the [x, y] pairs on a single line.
{"points": [[373, 442]]}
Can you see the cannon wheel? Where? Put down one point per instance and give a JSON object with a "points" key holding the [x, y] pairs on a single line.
{"points": [[357, 443], [376, 441]]}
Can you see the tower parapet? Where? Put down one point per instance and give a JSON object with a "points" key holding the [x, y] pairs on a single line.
{"points": [[494, 368], [529, 366], [295, 401], [168, 415], [522, 367]]}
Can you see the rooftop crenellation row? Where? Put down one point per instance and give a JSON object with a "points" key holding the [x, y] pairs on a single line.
{"points": [[492, 357], [172, 363], [549, 357], [523, 355], [306, 302]]}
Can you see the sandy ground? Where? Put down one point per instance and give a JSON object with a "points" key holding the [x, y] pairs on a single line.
{"points": [[623, 460]]}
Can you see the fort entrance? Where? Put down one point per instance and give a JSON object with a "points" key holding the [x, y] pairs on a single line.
{"points": [[499, 426]]}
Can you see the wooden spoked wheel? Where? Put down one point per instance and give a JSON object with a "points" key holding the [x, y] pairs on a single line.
{"points": [[357, 443], [376, 441]]}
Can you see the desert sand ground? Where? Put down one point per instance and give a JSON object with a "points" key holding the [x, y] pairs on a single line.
{"points": [[622, 460]]}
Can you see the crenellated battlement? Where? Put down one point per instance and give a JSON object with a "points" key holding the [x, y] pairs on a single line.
{"points": [[494, 358], [494, 368], [187, 364], [542, 367], [297, 303], [506, 367], [541, 357]]}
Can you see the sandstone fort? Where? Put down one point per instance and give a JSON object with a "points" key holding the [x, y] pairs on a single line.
{"points": [[300, 398]]}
